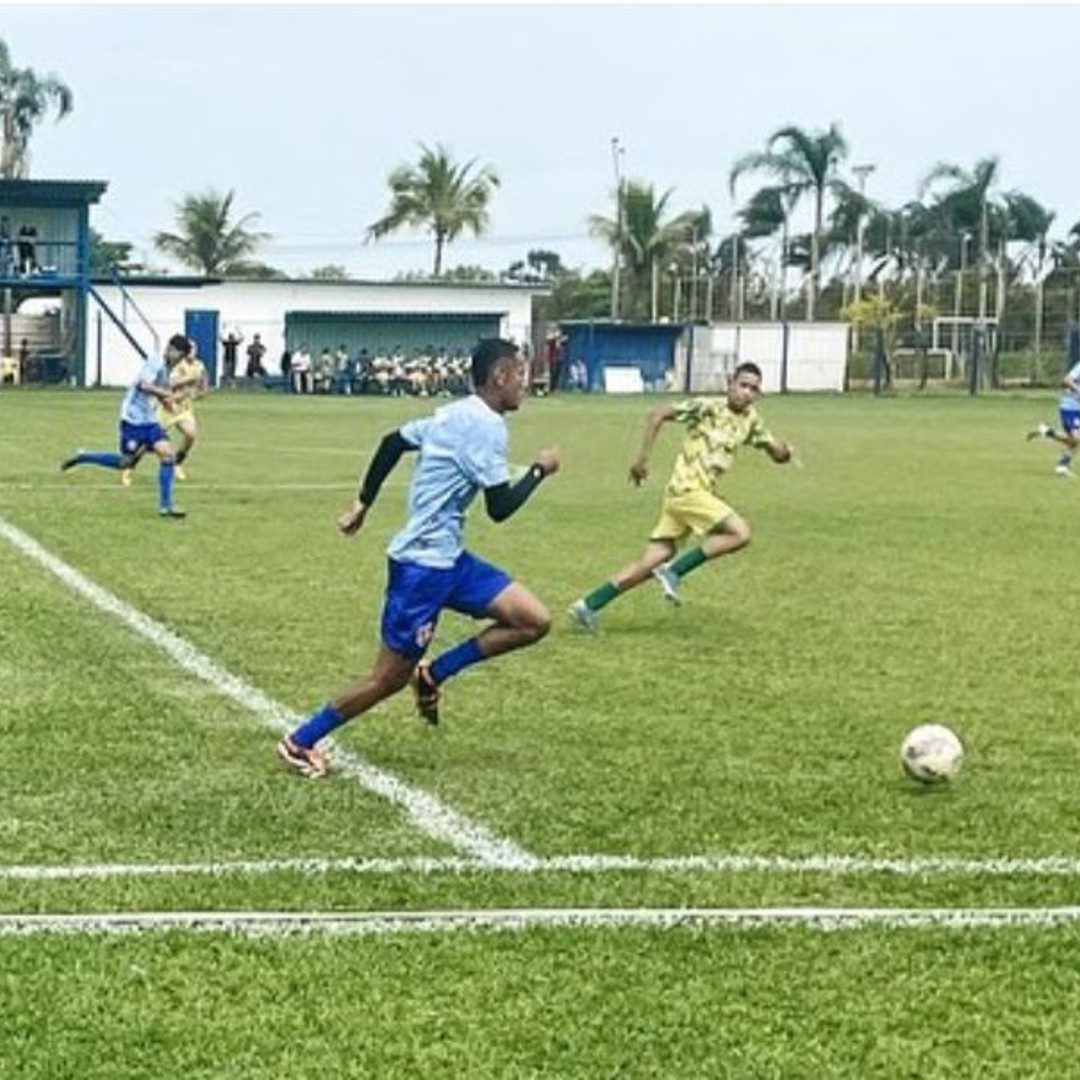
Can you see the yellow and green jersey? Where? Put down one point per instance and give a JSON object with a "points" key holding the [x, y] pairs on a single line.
{"points": [[183, 371], [713, 433]]}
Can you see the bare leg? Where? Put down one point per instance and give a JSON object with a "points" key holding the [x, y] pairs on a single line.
{"points": [[520, 619], [389, 674], [656, 552]]}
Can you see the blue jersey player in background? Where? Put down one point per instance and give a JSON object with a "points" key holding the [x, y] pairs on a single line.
{"points": [[463, 451], [1069, 414], [139, 426]]}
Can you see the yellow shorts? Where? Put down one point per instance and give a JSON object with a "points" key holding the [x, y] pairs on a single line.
{"points": [[697, 512], [171, 419]]}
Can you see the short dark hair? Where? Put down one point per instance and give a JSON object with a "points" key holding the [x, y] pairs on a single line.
{"points": [[488, 352], [748, 367], [180, 343]]}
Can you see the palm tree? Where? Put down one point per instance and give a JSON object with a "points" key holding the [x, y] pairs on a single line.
{"points": [[1029, 221], [644, 242], [208, 240], [767, 213], [968, 205], [25, 98], [804, 163], [438, 195]]}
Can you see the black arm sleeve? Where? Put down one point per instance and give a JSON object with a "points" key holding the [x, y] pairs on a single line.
{"points": [[386, 457], [502, 499]]}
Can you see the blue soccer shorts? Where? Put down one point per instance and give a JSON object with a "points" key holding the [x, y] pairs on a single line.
{"points": [[1070, 420], [136, 436], [416, 594]]}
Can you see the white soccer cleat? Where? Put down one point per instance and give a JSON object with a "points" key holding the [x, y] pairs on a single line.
{"points": [[306, 761], [1063, 470], [583, 617], [1042, 431], [669, 583]]}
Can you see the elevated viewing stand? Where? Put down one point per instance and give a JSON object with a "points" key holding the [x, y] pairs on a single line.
{"points": [[45, 277]]}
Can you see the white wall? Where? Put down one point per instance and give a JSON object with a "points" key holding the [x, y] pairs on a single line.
{"points": [[817, 355], [259, 307]]}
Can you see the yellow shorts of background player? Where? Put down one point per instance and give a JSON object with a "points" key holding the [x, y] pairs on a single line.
{"points": [[697, 512], [171, 419]]}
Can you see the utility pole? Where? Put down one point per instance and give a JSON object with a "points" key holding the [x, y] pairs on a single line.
{"points": [[616, 154], [861, 172]]}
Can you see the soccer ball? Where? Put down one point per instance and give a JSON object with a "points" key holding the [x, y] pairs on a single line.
{"points": [[931, 753]]}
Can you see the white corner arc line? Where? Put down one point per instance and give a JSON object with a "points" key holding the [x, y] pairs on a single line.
{"points": [[429, 814], [255, 923], [826, 865]]}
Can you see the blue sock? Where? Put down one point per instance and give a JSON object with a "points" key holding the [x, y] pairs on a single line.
{"points": [[165, 484], [317, 726], [456, 659], [1065, 460], [105, 458]]}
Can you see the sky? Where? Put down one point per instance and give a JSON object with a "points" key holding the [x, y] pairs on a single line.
{"points": [[304, 110]]}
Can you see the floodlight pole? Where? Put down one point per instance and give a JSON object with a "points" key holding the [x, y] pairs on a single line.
{"points": [[861, 172], [617, 151], [958, 295]]}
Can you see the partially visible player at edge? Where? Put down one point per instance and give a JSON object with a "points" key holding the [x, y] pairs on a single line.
{"points": [[188, 382], [463, 450], [1069, 412], [139, 426], [692, 502]]}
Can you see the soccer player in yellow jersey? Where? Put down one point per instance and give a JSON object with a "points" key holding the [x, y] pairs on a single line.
{"points": [[188, 382], [692, 504]]}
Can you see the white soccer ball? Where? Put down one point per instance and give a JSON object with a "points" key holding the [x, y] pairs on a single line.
{"points": [[931, 753]]}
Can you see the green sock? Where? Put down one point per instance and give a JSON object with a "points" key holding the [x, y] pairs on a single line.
{"points": [[687, 561], [599, 597]]}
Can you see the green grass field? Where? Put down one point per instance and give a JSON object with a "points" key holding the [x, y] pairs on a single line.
{"points": [[631, 830]]}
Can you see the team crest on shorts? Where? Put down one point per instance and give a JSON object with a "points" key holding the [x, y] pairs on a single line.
{"points": [[424, 634]]}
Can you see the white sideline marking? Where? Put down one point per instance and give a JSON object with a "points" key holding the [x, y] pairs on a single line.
{"points": [[428, 813], [254, 923], [833, 865], [198, 484]]}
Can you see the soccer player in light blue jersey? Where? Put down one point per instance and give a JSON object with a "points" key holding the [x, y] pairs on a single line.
{"points": [[463, 451], [139, 426], [1069, 414]]}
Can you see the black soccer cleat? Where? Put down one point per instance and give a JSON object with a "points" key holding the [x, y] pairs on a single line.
{"points": [[427, 694]]}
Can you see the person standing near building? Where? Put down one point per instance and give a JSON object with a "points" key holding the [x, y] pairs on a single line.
{"points": [[230, 344], [7, 248], [28, 263], [463, 451], [255, 353]]}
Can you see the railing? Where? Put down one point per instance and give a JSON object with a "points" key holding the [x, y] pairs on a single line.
{"points": [[129, 302], [120, 321], [33, 261]]}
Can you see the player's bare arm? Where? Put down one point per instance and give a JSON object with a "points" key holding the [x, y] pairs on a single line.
{"points": [[351, 521], [386, 457], [656, 419], [781, 452]]}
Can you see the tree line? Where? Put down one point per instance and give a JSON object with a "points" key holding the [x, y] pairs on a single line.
{"points": [[963, 246]]}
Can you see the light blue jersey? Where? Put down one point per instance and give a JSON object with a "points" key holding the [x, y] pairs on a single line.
{"points": [[140, 408], [1070, 401], [463, 449]]}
